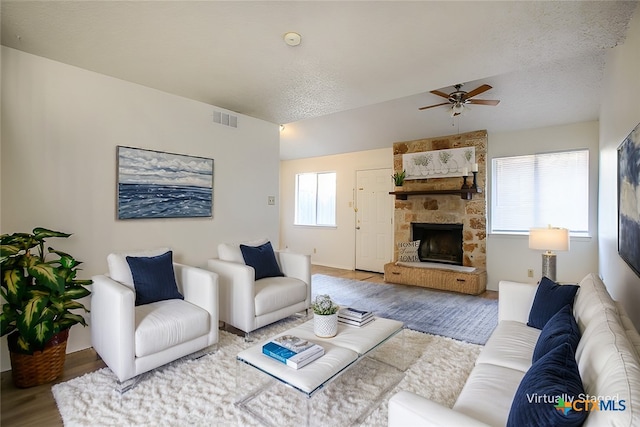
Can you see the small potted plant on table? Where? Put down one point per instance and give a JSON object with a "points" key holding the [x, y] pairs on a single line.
{"points": [[325, 316], [39, 298]]}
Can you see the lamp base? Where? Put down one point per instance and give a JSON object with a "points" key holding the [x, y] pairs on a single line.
{"points": [[549, 265]]}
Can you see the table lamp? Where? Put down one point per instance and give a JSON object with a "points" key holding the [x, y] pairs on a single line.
{"points": [[549, 239]]}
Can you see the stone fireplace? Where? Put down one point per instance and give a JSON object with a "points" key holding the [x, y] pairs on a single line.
{"points": [[445, 208], [434, 201]]}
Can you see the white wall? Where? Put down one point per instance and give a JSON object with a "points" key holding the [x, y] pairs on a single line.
{"points": [[509, 256], [335, 246], [60, 129], [619, 114]]}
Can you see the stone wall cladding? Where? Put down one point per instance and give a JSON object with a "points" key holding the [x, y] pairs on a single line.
{"points": [[442, 209]]}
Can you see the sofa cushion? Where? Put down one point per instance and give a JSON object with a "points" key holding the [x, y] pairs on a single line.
{"points": [[231, 251], [154, 278], [629, 328], [164, 324], [119, 269], [510, 345], [550, 298], [591, 299], [559, 329], [550, 382], [609, 366], [262, 259], [487, 394]]}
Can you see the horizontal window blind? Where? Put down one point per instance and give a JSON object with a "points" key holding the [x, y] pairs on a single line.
{"points": [[539, 190]]}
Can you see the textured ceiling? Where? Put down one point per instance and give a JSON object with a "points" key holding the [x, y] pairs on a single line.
{"points": [[362, 69]]}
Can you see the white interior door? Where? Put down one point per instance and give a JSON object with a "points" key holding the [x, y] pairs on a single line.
{"points": [[374, 214]]}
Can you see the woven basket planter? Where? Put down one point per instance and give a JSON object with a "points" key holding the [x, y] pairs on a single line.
{"points": [[41, 367]]}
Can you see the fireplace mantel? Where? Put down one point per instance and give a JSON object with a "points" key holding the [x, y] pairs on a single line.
{"points": [[465, 193]]}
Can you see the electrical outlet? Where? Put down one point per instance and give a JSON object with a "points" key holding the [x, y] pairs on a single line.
{"points": [[271, 200], [314, 250], [530, 272]]}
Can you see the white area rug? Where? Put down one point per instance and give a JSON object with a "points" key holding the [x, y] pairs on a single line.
{"points": [[201, 392]]}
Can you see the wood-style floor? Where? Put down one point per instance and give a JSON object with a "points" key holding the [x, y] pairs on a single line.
{"points": [[36, 407]]}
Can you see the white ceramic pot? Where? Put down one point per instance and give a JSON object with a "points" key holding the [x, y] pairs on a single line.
{"points": [[325, 326]]}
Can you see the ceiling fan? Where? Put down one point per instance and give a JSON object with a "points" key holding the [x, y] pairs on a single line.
{"points": [[458, 98]]}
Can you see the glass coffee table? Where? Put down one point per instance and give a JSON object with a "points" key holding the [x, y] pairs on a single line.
{"points": [[276, 394]]}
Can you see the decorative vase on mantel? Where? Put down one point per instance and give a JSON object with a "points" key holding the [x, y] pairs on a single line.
{"points": [[325, 325]]}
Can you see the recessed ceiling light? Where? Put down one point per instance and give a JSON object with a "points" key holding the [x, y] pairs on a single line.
{"points": [[292, 39]]}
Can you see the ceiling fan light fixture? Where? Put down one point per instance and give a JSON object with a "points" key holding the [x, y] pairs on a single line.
{"points": [[457, 109], [459, 100]]}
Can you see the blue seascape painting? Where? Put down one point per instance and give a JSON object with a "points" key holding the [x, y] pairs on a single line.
{"points": [[153, 184], [628, 198]]}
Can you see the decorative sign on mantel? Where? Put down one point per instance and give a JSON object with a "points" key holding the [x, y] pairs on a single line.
{"points": [[447, 163]]}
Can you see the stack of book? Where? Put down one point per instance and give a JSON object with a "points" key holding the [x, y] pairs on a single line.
{"points": [[292, 351], [355, 317]]}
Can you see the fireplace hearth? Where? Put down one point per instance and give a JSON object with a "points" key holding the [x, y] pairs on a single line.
{"points": [[438, 242]]}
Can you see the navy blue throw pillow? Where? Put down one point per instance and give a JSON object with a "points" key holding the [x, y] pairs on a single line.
{"points": [[550, 298], [546, 391], [262, 259], [153, 278], [561, 328]]}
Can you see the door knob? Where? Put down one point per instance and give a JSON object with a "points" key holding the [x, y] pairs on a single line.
{"points": [[357, 228]]}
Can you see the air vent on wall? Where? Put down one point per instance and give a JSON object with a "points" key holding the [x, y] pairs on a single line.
{"points": [[225, 119]]}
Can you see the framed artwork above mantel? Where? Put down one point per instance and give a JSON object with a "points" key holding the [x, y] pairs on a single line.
{"points": [[451, 162]]}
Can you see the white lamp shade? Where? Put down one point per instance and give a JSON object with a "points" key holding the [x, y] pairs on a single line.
{"points": [[549, 239]]}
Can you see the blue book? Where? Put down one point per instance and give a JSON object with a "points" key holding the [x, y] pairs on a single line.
{"points": [[290, 357]]}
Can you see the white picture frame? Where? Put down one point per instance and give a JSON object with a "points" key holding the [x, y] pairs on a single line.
{"points": [[450, 162]]}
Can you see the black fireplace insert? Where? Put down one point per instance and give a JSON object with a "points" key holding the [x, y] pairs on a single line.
{"points": [[438, 242]]}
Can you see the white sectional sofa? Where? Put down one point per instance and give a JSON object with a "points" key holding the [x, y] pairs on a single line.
{"points": [[607, 357]]}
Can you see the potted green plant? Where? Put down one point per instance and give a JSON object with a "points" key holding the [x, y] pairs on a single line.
{"points": [[39, 296], [325, 316], [398, 178]]}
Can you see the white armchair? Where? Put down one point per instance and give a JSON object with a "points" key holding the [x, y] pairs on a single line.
{"points": [[134, 339], [248, 304]]}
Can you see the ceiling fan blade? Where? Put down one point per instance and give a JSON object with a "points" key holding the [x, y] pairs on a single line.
{"points": [[477, 91], [431, 106], [442, 94], [483, 101]]}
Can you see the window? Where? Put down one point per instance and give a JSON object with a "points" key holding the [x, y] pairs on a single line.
{"points": [[316, 199], [540, 190]]}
